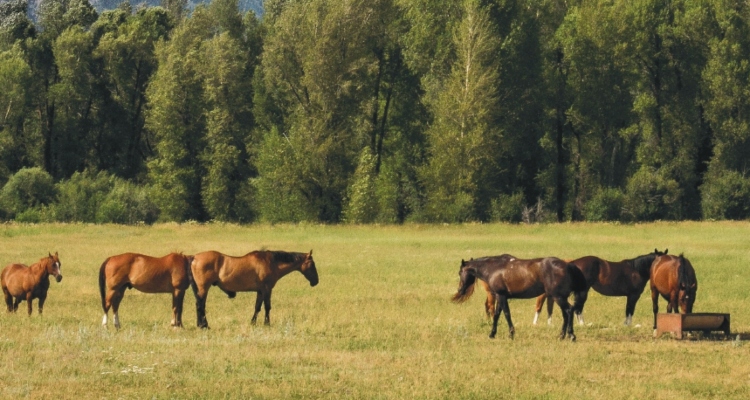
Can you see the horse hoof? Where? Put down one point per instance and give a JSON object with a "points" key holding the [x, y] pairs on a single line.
{"points": [[492, 335], [572, 338]]}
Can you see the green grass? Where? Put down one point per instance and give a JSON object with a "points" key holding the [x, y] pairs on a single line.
{"points": [[380, 323]]}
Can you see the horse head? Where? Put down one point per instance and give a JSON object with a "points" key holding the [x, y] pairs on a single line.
{"points": [[53, 266], [467, 278], [308, 269]]}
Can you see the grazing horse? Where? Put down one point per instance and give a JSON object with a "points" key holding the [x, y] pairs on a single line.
{"points": [[257, 271], [510, 277], [28, 283], [168, 274], [674, 279], [625, 278]]}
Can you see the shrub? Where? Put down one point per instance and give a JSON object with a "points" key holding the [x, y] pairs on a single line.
{"points": [[508, 207], [80, 197], [29, 188], [726, 195], [606, 205], [652, 196], [127, 203]]}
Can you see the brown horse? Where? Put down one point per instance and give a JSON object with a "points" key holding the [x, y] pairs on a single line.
{"points": [[624, 278], [257, 271], [168, 274], [28, 283], [674, 279], [510, 277]]}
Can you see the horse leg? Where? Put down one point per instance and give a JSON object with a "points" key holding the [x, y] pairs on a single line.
{"points": [[267, 303], [258, 303], [578, 303], [28, 301], [114, 297], [567, 314], [489, 305], [178, 297], [42, 299], [673, 303], [503, 302], [539, 305], [655, 303], [18, 301], [550, 308], [495, 317], [630, 308], [8, 299]]}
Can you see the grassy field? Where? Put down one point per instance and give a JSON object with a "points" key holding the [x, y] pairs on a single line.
{"points": [[379, 324]]}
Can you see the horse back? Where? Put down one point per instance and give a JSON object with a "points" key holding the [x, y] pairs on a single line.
{"points": [[665, 272], [16, 279], [146, 273], [516, 278]]}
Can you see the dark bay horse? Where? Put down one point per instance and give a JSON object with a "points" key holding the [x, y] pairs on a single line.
{"points": [[168, 274], [674, 279], [28, 283], [509, 277], [626, 278], [257, 271]]}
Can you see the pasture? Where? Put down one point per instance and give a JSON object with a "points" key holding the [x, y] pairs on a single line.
{"points": [[379, 325]]}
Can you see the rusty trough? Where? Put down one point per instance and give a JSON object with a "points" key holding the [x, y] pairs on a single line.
{"points": [[679, 323]]}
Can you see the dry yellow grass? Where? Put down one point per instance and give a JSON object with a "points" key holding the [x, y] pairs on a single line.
{"points": [[379, 324]]}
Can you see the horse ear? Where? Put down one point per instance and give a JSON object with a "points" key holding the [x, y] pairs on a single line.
{"points": [[50, 254], [463, 262], [309, 255], [56, 256], [666, 251]]}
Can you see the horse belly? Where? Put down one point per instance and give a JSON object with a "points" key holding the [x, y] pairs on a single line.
{"points": [[240, 283], [157, 284], [528, 293]]}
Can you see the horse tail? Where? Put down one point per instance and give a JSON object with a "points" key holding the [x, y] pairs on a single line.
{"points": [[188, 269], [682, 275], [578, 280], [103, 284], [465, 289]]}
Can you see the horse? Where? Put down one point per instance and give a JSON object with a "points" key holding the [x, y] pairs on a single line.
{"points": [[674, 279], [510, 277], [257, 271], [168, 274], [624, 278], [28, 283]]}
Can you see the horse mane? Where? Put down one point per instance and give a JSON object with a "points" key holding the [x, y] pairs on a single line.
{"points": [[458, 297], [642, 264], [284, 256]]}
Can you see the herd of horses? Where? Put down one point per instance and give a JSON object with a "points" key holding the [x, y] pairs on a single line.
{"points": [[257, 271], [505, 277]]}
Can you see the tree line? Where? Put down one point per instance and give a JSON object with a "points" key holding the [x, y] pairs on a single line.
{"points": [[376, 111]]}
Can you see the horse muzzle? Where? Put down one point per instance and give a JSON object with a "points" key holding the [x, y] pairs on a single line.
{"points": [[313, 284], [58, 278]]}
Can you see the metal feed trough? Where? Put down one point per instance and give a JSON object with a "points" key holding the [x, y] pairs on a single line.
{"points": [[679, 323]]}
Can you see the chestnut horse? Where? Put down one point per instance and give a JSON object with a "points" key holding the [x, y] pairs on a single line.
{"points": [[510, 277], [28, 283], [674, 279], [168, 274], [624, 278], [257, 271]]}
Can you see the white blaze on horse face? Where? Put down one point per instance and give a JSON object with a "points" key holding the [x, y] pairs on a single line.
{"points": [[536, 317]]}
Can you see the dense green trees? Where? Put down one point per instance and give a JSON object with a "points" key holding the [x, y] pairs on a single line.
{"points": [[376, 111]]}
